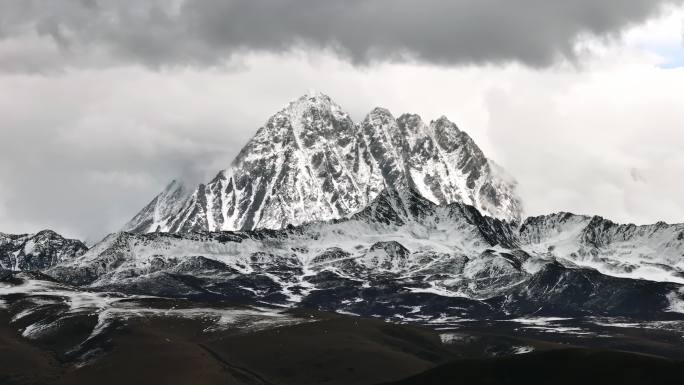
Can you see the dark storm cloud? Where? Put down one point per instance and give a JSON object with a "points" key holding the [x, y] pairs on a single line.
{"points": [[206, 32]]}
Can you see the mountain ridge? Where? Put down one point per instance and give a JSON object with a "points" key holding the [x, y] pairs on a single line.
{"points": [[401, 252]]}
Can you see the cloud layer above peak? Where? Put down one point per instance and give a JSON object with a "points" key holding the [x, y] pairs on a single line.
{"points": [[161, 33]]}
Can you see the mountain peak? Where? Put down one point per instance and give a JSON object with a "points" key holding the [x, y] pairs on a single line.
{"points": [[311, 162], [312, 93], [155, 216], [307, 117], [410, 117], [444, 123], [379, 112], [176, 184], [314, 99]]}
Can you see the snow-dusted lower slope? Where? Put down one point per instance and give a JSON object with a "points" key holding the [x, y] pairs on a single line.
{"points": [[37, 251], [654, 252], [405, 256], [311, 162], [78, 323]]}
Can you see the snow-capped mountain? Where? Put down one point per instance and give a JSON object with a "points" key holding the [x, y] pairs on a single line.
{"points": [[405, 257], [37, 251], [311, 162], [389, 217]]}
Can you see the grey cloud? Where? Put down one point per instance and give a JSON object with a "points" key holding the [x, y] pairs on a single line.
{"points": [[573, 146], [207, 32], [81, 153]]}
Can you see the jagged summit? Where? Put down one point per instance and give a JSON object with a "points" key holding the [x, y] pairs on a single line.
{"points": [[311, 162]]}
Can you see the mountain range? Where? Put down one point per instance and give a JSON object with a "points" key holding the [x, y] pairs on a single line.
{"points": [[319, 211], [420, 257], [318, 219]]}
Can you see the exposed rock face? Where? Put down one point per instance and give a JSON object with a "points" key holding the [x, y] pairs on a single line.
{"points": [[311, 162], [37, 251]]}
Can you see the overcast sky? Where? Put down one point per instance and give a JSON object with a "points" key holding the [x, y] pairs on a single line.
{"points": [[102, 103]]}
